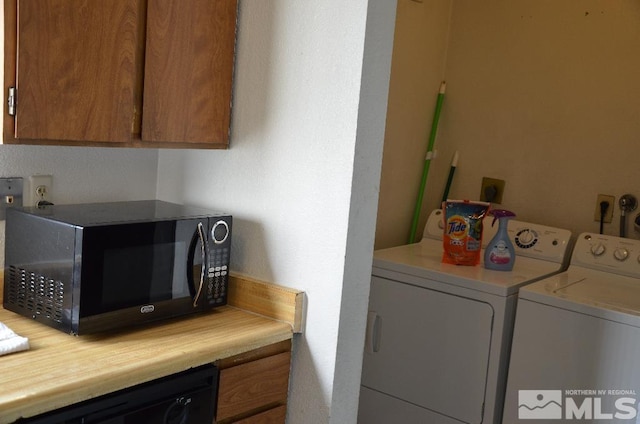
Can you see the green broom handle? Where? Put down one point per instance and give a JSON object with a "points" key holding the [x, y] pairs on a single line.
{"points": [[427, 162]]}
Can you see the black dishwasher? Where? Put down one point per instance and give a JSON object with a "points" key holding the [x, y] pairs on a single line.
{"points": [[188, 397]]}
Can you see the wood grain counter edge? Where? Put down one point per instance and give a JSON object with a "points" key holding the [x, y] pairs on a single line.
{"points": [[270, 300]]}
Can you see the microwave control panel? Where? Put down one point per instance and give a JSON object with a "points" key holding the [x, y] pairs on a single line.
{"points": [[219, 257]]}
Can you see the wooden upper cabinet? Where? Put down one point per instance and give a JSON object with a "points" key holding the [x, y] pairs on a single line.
{"points": [[139, 73], [76, 69], [186, 46]]}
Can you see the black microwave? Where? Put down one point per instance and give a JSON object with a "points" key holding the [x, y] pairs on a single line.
{"points": [[88, 268]]}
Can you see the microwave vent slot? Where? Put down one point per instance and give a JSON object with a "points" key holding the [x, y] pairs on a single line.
{"points": [[38, 294]]}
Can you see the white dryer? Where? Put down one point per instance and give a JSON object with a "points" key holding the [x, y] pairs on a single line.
{"points": [[439, 335], [576, 344]]}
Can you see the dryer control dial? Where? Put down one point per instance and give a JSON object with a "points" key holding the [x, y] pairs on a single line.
{"points": [[621, 254]]}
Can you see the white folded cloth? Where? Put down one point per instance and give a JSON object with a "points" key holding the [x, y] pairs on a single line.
{"points": [[10, 342]]}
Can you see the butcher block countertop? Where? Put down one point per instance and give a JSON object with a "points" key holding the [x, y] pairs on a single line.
{"points": [[60, 369]]}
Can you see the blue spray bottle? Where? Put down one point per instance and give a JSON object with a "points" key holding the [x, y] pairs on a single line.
{"points": [[500, 253]]}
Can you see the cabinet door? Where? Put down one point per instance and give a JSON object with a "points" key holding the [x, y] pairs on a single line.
{"points": [[188, 71], [78, 66]]}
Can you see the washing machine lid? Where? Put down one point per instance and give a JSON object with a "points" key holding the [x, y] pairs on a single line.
{"points": [[424, 260], [596, 293]]}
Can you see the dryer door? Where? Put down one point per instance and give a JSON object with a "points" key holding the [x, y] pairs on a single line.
{"points": [[428, 348]]}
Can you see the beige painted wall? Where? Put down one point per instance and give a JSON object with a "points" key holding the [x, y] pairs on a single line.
{"points": [[416, 73], [542, 94]]}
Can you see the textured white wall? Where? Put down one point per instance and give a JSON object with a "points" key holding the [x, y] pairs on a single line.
{"points": [[301, 177], [365, 187], [83, 174]]}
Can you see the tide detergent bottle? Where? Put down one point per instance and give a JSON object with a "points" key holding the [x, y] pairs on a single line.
{"points": [[500, 253]]}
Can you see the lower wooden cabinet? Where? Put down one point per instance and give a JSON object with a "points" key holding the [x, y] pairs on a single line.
{"points": [[253, 386], [275, 415]]}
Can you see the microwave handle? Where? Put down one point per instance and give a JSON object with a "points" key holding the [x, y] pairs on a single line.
{"points": [[203, 271], [196, 291]]}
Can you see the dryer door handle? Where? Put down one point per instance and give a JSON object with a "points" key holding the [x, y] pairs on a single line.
{"points": [[374, 332]]}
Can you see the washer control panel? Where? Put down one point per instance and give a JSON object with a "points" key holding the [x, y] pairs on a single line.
{"points": [[529, 239], [607, 253]]}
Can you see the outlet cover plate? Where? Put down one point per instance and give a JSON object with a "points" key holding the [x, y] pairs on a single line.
{"points": [[34, 182], [491, 190], [10, 194], [608, 216]]}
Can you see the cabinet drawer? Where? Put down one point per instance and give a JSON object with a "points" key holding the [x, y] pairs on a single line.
{"points": [[253, 387], [276, 415]]}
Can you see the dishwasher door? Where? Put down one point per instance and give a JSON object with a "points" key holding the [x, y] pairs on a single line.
{"points": [[427, 349]]}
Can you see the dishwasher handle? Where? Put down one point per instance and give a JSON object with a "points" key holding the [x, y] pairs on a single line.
{"points": [[374, 332]]}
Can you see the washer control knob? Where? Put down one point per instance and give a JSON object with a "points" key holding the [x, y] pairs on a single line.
{"points": [[598, 249], [526, 238], [621, 254]]}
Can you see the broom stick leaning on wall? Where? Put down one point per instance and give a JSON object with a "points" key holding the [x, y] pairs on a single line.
{"points": [[452, 170], [427, 162]]}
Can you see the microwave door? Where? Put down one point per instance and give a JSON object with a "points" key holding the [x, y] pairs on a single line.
{"points": [[196, 286]]}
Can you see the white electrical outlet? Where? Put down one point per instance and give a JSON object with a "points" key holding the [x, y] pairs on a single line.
{"points": [[40, 190]]}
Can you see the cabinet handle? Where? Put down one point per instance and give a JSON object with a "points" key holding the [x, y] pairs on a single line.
{"points": [[12, 101], [374, 332]]}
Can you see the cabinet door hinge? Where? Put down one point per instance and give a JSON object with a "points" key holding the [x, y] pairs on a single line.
{"points": [[12, 101]]}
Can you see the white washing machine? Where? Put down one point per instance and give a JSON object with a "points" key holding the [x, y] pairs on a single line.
{"points": [[439, 335], [576, 344]]}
